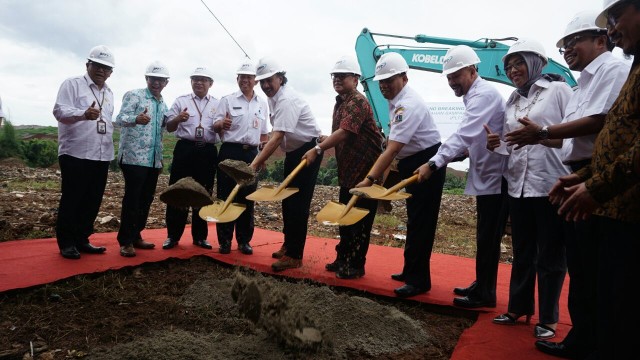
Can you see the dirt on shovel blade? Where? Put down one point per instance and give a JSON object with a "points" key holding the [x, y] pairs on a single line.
{"points": [[186, 193], [239, 171]]}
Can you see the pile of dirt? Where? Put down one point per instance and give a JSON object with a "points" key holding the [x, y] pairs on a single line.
{"points": [[186, 193]]}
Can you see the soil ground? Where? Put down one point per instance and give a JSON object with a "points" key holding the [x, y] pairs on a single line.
{"points": [[184, 309]]}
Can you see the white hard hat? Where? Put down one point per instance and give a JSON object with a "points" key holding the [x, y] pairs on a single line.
{"points": [[390, 64], [601, 20], [583, 21], [157, 69], [267, 67], [102, 55], [458, 57], [346, 64], [527, 45], [246, 68], [200, 71]]}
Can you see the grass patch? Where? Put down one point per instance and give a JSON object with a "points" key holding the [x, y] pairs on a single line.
{"points": [[26, 185], [387, 220]]}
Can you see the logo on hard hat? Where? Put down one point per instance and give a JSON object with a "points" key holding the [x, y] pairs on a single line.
{"points": [[261, 67], [244, 66], [156, 69], [381, 65], [447, 59], [104, 54], [340, 62], [200, 69]]}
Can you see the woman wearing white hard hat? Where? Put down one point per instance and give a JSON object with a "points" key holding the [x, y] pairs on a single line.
{"points": [[537, 230]]}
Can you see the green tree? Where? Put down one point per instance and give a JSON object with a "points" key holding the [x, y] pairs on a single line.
{"points": [[40, 153], [328, 174], [9, 145]]}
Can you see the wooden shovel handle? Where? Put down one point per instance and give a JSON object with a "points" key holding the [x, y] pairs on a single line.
{"points": [[289, 178], [350, 205], [401, 184], [232, 195]]}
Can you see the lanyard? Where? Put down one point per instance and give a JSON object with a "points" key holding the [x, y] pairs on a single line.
{"points": [[96, 97], [198, 109]]}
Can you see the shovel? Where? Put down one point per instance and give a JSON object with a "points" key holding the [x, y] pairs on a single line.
{"points": [[380, 193], [268, 193], [335, 213], [223, 212]]}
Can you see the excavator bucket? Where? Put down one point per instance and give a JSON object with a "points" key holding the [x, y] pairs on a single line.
{"points": [[217, 212], [337, 214]]}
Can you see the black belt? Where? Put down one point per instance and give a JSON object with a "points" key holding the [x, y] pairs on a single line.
{"points": [[240, 146], [196, 143]]}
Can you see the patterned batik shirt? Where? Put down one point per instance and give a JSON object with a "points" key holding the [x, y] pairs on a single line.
{"points": [[357, 155]]}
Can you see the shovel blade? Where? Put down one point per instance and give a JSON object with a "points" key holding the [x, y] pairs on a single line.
{"points": [[214, 213], [332, 214], [268, 193], [378, 192]]}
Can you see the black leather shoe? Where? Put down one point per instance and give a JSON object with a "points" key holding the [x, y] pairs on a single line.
{"points": [[469, 302], [169, 244], [203, 244], [407, 290], [225, 248], [398, 277], [90, 249], [350, 273], [245, 249], [334, 266], [554, 348], [70, 252], [464, 291]]}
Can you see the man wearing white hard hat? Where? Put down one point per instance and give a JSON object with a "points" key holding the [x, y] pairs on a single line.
{"points": [[483, 105], [84, 110], [295, 131], [142, 120], [608, 189], [358, 143], [586, 48], [413, 140], [195, 155], [241, 120]]}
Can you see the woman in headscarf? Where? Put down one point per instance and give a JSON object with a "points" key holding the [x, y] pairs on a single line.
{"points": [[536, 228]]}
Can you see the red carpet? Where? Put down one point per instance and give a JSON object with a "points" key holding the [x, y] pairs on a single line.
{"points": [[27, 263]]}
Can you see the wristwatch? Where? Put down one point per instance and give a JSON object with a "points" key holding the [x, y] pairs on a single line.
{"points": [[543, 134], [432, 165], [318, 150], [372, 179]]}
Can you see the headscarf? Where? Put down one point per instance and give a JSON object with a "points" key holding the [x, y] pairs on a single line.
{"points": [[535, 64]]}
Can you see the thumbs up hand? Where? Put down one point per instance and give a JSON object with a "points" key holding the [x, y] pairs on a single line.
{"points": [[92, 113], [183, 116], [493, 139], [226, 124], [143, 118]]}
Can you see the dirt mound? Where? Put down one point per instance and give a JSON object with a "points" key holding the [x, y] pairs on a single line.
{"points": [[186, 193], [12, 162], [239, 171]]}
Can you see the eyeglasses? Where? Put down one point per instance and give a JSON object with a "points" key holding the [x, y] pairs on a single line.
{"points": [[517, 64], [101, 66], [153, 79], [340, 76], [570, 44], [613, 15]]}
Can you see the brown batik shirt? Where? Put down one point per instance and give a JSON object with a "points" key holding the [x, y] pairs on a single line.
{"points": [[610, 179], [359, 152]]}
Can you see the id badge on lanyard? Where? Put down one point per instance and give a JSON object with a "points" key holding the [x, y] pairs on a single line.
{"points": [[199, 133], [101, 126]]}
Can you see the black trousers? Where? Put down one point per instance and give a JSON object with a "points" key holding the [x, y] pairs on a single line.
{"points": [[295, 208], [354, 239], [492, 212], [139, 190], [244, 224], [537, 234], [199, 161], [83, 184], [422, 213]]}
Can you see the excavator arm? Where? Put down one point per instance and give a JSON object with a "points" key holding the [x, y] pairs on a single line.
{"points": [[427, 54]]}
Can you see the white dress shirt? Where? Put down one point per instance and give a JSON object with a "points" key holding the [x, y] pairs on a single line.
{"points": [[206, 106], [248, 118], [292, 115], [533, 169], [483, 105], [77, 136], [598, 87], [411, 123]]}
